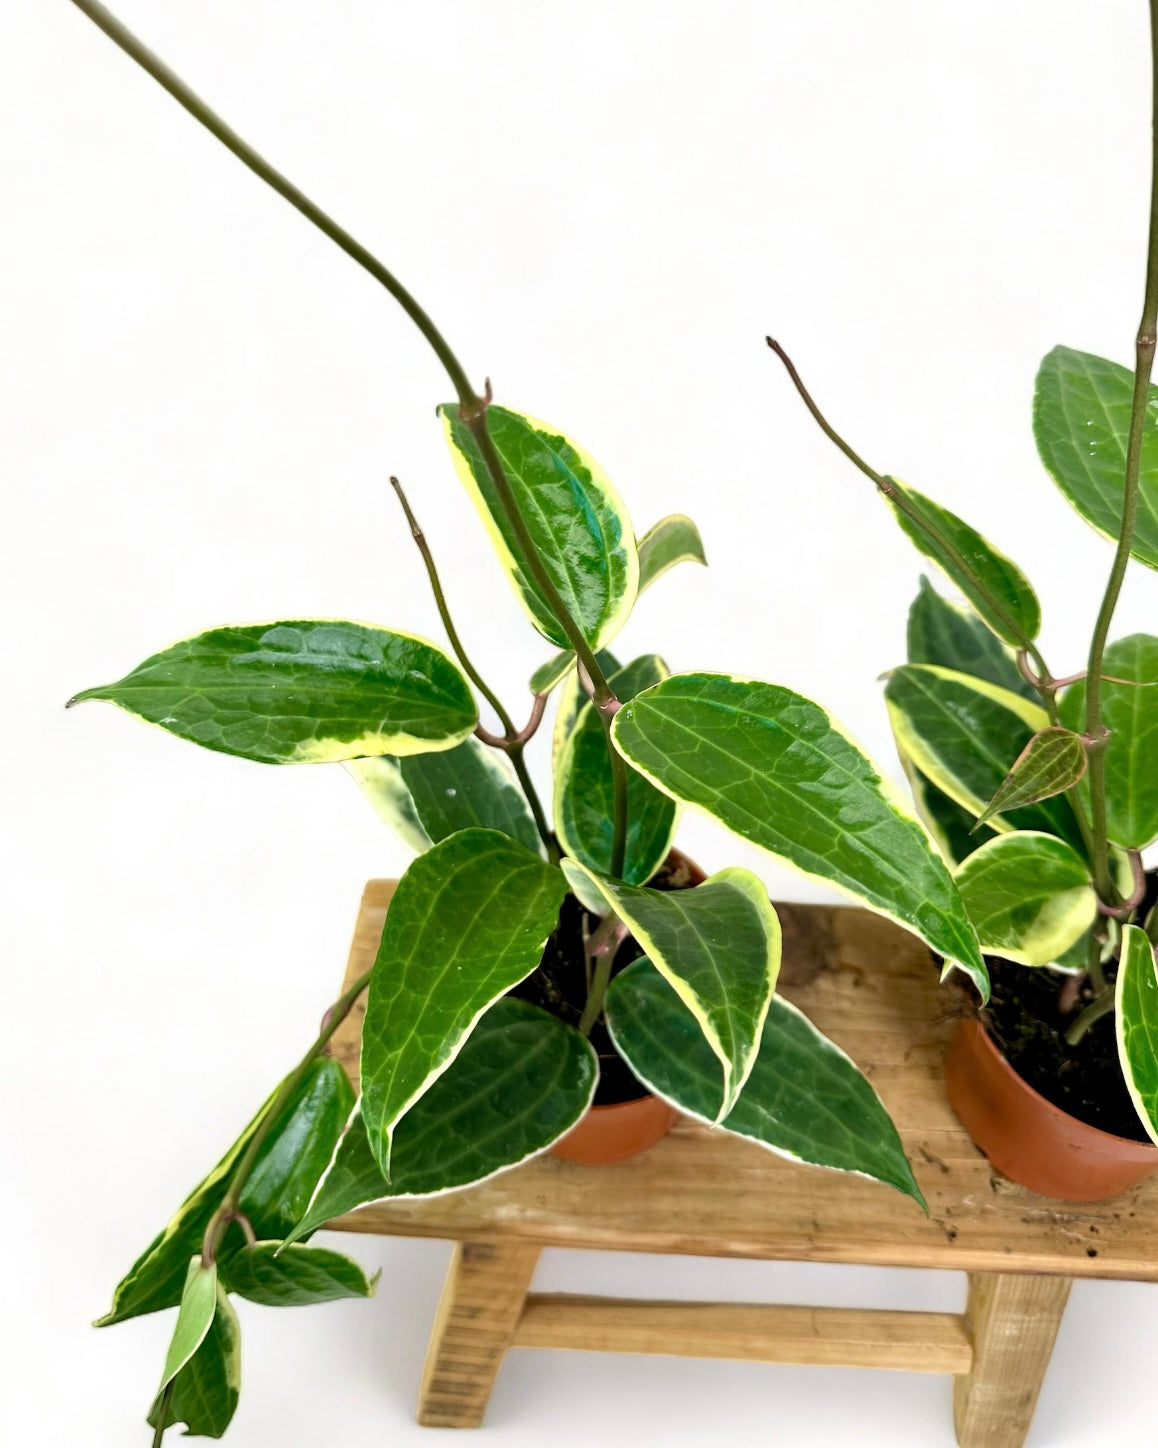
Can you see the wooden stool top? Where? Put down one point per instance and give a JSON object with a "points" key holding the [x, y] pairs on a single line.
{"points": [[872, 988]]}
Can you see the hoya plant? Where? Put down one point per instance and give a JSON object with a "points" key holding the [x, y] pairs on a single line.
{"points": [[1041, 790], [530, 955]]}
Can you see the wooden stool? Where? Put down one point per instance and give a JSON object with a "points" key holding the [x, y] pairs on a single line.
{"points": [[872, 988]]}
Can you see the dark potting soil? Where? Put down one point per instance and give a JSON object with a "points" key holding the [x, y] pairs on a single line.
{"points": [[560, 983], [1084, 1080]]}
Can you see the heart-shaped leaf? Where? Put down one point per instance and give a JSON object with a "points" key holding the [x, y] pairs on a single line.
{"points": [[426, 797], [295, 1276], [1029, 895], [1136, 1001], [1081, 422], [468, 921], [305, 692], [804, 1100], [992, 583], [1053, 761], [718, 947], [964, 735], [944, 633], [585, 791], [204, 1393], [674, 539], [287, 1168], [1130, 712], [576, 519], [521, 1081], [775, 768]]}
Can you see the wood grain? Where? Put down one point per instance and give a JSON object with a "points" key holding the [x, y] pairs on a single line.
{"points": [[1014, 1321], [481, 1303], [873, 988], [918, 1342]]}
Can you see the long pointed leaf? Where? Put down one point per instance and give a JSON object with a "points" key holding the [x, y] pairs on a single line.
{"points": [[1081, 422], [804, 1100], [206, 1390], [291, 1159], [577, 520], [521, 1081], [468, 921], [1006, 601], [718, 947], [295, 1276], [775, 768], [303, 692]]}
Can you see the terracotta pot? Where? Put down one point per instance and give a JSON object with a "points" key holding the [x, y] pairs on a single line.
{"points": [[1028, 1138], [613, 1133]]}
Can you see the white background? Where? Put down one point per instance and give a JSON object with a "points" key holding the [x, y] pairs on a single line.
{"points": [[606, 206]]}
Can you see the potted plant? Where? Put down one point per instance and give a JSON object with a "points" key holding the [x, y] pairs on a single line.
{"points": [[1042, 790], [527, 969]]}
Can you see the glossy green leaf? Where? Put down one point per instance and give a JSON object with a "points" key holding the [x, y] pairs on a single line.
{"points": [[804, 1100], [426, 797], [290, 1161], [954, 830], [194, 1316], [964, 735], [1081, 421], [1136, 1001], [576, 519], [295, 1276], [305, 692], [1004, 598], [1130, 712], [572, 700], [1029, 895], [718, 947], [468, 921], [944, 633], [205, 1391], [521, 1081], [674, 539], [775, 768], [585, 793], [1053, 761]]}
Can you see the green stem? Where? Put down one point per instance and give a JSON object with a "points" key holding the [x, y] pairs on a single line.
{"points": [[1143, 366], [601, 950], [511, 742], [1100, 1006], [618, 797], [163, 1407], [472, 407], [228, 1210]]}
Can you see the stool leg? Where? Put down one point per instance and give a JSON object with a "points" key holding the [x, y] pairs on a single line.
{"points": [[1014, 1320], [482, 1300]]}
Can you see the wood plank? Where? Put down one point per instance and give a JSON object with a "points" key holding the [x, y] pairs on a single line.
{"points": [[481, 1303], [919, 1342], [873, 988], [1014, 1321]]}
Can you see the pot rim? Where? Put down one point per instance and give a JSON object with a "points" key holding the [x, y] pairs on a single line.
{"points": [[1143, 1148]]}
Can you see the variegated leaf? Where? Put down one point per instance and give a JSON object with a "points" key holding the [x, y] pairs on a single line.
{"points": [[1029, 895], [1136, 1002], [468, 921], [1053, 761]]}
